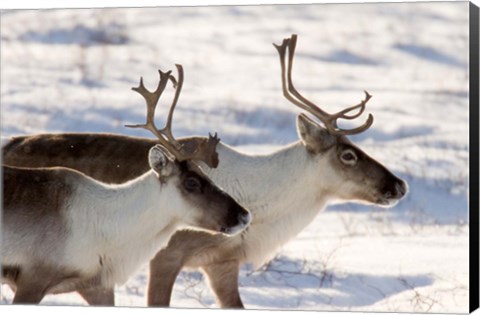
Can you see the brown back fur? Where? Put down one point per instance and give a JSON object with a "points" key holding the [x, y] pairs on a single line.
{"points": [[80, 152]]}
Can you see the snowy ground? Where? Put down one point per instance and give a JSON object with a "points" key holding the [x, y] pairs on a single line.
{"points": [[71, 71]]}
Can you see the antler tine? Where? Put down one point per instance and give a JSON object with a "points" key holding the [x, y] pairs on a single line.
{"points": [[151, 99], [167, 130], [281, 52], [204, 149], [343, 115], [311, 107], [362, 104], [299, 100], [303, 103]]}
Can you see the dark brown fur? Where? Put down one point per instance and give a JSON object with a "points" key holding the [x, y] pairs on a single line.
{"points": [[31, 188], [33, 200], [81, 152]]}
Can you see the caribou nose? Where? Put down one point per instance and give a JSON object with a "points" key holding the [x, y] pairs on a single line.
{"points": [[245, 218], [400, 189], [239, 215], [396, 190]]}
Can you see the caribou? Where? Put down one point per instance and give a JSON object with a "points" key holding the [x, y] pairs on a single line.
{"points": [[65, 231], [284, 190]]}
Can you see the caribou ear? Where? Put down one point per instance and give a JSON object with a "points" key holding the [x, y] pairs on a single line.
{"points": [[161, 161], [315, 138]]}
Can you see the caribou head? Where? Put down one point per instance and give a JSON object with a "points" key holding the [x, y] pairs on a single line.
{"points": [[354, 175]]}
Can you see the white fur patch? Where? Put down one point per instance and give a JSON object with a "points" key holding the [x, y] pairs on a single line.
{"points": [[282, 190]]}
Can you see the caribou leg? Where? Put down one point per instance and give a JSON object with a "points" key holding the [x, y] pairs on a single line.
{"points": [[98, 296], [223, 279], [28, 290], [164, 269]]}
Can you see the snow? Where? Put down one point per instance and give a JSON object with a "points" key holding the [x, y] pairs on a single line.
{"points": [[72, 70]]}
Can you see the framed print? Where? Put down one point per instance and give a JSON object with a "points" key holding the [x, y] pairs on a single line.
{"points": [[301, 157]]}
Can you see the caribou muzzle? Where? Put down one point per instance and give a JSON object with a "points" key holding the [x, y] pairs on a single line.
{"points": [[238, 218], [394, 190]]}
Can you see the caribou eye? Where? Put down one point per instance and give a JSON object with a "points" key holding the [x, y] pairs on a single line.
{"points": [[348, 157], [192, 184]]}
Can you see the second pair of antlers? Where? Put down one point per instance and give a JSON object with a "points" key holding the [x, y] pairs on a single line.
{"points": [[206, 150]]}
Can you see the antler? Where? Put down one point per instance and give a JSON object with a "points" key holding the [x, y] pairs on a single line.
{"points": [[203, 150], [291, 93]]}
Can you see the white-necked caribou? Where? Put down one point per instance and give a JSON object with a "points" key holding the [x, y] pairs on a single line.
{"points": [[65, 231]]}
